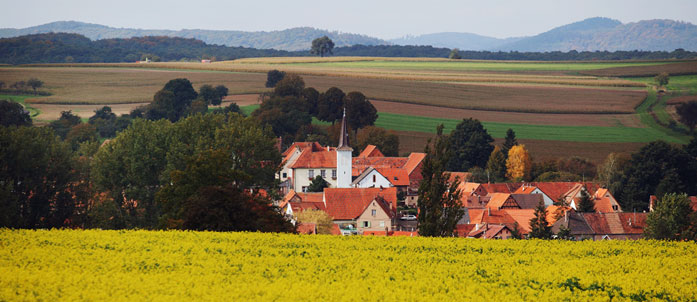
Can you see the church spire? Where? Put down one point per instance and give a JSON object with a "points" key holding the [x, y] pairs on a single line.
{"points": [[344, 138]]}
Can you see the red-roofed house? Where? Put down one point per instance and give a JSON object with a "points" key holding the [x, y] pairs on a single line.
{"points": [[601, 226], [371, 151], [355, 206], [527, 189], [605, 202], [500, 201]]}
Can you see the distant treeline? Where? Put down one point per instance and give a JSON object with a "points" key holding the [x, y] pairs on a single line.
{"points": [[75, 48]]}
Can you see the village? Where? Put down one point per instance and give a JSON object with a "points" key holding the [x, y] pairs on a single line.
{"points": [[371, 194]]}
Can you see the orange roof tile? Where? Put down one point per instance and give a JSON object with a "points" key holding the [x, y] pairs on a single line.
{"points": [[501, 187], [396, 176], [371, 151], [316, 159], [413, 161], [463, 176], [307, 228], [522, 217], [349, 203], [498, 201], [468, 187]]}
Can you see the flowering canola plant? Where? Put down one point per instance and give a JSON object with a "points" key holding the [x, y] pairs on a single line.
{"points": [[96, 265]]}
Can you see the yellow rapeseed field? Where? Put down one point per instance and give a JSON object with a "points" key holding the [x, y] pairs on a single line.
{"points": [[94, 265]]}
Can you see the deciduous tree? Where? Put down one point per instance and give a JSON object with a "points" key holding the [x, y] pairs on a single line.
{"points": [[496, 166], [386, 141], [662, 79], [324, 222], [290, 85], [273, 77], [439, 200], [322, 46], [13, 114], [687, 114], [331, 104], [359, 111], [471, 145], [35, 84], [670, 218], [518, 164]]}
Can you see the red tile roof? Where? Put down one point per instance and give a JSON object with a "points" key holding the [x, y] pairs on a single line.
{"points": [[359, 164], [522, 217], [371, 151], [310, 158], [501, 187], [462, 230], [413, 161], [396, 176], [463, 176], [349, 203], [501, 200]]}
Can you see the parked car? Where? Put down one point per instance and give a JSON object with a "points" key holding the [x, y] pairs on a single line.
{"points": [[408, 217]]}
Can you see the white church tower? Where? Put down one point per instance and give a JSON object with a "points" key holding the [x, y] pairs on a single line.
{"points": [[343, 157]]}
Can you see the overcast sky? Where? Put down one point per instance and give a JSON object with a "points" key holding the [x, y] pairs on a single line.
{"points": [[383, 19]]}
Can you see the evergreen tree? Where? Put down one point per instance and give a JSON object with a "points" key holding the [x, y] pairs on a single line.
{"points": [[510, 141], [497, 165], [586, 204], [439, 203], [539, 228], [318, 184]]}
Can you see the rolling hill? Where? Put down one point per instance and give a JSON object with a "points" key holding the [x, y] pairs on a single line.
{"points": [[299, 38]]}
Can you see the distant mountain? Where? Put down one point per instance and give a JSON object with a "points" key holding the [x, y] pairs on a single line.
{"points": [[463, 41], [299, 38], [594, 34], [611, 35]]}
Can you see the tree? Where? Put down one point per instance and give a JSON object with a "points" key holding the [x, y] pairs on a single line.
{"points": [[670, 218], [509, 142], [496, 166], [285, 115], [321, 219], [13, 114], [273, 77], [386, 141], [62, 126], [518, 165], [439, 201], [687, 114], [37, 175], [290, 85], [173, 101], [454, 54], [662, 79], [610, 171], [648, 167], [35, 84], [539, 228], [586, 204], [207, 93], [577, 165], [471, 145], [311, 96], [322, 46], [232, 108], [691, 148], [81, 133], [318, 184], [331, 104], [221, 92], [359, 111], [231, 209]]}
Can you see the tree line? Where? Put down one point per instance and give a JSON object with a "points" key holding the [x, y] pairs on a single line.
{"points": [[75, 48]]}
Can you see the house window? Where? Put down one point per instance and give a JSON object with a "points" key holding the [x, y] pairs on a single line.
{"points": [[366, 224], [373, 212], [374, 177], [334, 174], [311, 174], [304, 189], [614, 208], [285, 175], [382, 224], [323, 173]]}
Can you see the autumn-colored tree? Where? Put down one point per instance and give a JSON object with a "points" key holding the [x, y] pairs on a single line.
{"points": [[519, 163], [323, 221]]}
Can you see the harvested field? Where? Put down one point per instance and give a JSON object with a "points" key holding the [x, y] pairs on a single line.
{"points": [[605, 120], [122, 85], [51, 112], [678, 68], [130, 85], [494, 98], [540, 150], [681, 99]]}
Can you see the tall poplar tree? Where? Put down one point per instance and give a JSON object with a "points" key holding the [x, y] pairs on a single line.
{"points": [[439, 201]]}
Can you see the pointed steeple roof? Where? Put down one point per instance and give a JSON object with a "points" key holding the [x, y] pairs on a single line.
{"points": [[344, 138]]}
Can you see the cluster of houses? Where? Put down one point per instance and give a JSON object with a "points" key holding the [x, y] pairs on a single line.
{"points": [[362, 197]]}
